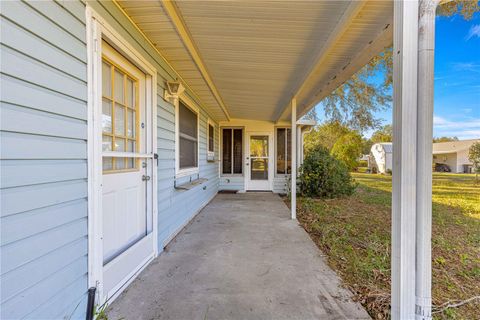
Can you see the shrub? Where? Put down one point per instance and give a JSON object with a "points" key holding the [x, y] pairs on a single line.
{"points": [[324, 176]]}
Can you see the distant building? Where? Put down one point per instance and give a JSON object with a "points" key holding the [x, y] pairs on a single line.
{"points": [[381, 157], [454, 154]]}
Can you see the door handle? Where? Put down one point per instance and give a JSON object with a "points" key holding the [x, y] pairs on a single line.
{"points": [[145, 178]]}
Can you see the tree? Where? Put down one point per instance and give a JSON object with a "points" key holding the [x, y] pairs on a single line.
{"points": [[348, 149], [444, 139], [384, 134], [325, 135], [356, 101], [474, 157]]}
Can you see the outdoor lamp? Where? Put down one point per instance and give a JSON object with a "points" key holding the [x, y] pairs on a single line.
{"points": [[174, 90]]}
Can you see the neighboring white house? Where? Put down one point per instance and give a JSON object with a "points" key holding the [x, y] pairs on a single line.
{"points": [[381, 157], [454, 154]]}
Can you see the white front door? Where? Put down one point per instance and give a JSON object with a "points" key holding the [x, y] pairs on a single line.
{"points": [[259, 169], [127, 224]]}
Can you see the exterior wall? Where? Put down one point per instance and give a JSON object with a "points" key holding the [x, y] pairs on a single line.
{"points": [[43, 160], [237, 182], [44, 156], [449, 159], [462, 159]]}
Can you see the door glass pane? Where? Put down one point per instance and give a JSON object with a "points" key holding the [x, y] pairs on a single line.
{"points": [[107, 163], [119, 144], [106, 116], [119, 163], [119, 120], [106, 79], [259, 146], [130, 93], [106, 143], [118, 86], [259, 169], [130, 123]]}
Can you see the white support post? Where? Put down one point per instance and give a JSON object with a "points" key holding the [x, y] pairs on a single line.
{"points": [[426, 47], [299, 147], [293, 189], [405, 44]]}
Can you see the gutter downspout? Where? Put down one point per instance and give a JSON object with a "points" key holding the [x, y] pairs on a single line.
{"points": [[426, 54]]}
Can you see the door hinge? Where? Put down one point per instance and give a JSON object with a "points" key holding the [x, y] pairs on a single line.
{"points": [[145, 178]]}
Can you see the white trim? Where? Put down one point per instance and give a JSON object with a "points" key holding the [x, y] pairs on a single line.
{"points": [[97, 29], [179, 173], [271, 169]]}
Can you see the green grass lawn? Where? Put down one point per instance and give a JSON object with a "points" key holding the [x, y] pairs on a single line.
{"points": [[354, 233]]}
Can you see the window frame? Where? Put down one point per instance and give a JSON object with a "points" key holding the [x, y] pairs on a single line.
{"points": [[114, 65], [189, 104], [286, 149], [221, 153], [210, 154]]}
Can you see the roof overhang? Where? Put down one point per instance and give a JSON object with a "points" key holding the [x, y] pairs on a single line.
{"points": [[248, 59]]}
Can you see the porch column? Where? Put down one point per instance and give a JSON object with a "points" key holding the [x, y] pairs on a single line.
{"points": [[426, 46], [299, 146], [405, 45], [293, 189]]}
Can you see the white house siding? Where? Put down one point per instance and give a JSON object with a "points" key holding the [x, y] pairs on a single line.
{"points": [[280, 183], [43, 160], [44, 156], [232, 183]]}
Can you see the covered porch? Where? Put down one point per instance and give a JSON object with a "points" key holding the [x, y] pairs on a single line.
{"points": [[242, 257], [250, 69]]}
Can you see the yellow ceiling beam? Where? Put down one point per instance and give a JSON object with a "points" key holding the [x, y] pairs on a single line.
{"points": [[173, 13]]}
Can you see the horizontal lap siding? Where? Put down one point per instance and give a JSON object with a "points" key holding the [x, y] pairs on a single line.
{"points": [[234, 183], [43, 160], [280, 184], [44, 156]]}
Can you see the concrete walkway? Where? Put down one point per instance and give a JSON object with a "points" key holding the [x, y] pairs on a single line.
{"points": [[240, 258]]}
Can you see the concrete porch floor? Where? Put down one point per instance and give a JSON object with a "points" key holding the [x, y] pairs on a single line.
{"points": [[240, 258]]}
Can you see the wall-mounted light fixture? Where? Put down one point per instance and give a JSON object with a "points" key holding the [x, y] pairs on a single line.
{"points": [[174, 90]]}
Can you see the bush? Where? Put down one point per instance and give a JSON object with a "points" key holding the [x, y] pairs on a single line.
{"points": [[324, 176]]}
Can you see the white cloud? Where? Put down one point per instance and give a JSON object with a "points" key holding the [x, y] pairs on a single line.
{"points": [[463, 129], [473, 32]]}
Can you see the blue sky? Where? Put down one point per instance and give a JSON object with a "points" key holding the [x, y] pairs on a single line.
{"points": [[457, 79]]}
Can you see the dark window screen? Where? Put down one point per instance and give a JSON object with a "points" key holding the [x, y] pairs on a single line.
{"points": [[227, 151], [210, 138], [237, 151], [188, 137], [284, 151]]}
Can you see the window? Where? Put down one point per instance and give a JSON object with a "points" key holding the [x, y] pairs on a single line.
{"points": [[232, 151], [187, 137], [284, 150], [119, 116], [210, 142]]}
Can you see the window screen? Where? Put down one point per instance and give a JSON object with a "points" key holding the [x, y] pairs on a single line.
{"points": [[232, 151], [188, 136], [211, 139], [284, 150]]}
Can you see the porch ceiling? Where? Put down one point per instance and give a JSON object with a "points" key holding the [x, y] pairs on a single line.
{"points": [[247, 59]]}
